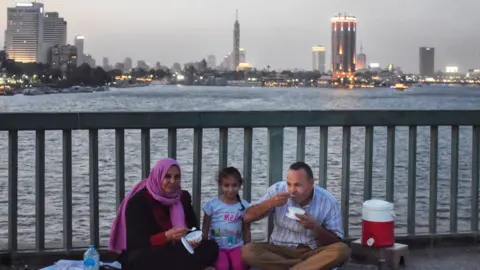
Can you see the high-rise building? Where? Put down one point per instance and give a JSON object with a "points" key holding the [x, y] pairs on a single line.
{"points": [[318, 58], [79, 43], [24, 33], [55, 32], [55, 29], [106, 64], [63, 57], [361, 60], [89, 60], [127, 64], [344, 32], [211, 61], [243, 55], [427, 61], [236, 43]]}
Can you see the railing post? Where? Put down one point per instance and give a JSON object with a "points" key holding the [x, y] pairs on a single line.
{"points": [[390, 163], [300, 143], [145, 142], [247, 163], [412, 174], [367, 182], [172, 143], [454, 178], [94, 189], [67, 190], [222, 151], [275, 162], [12, 190], [120, 166], [432, 220], [475, 177], [197, 171], [323, 156], [40, 190], [345, 197]]}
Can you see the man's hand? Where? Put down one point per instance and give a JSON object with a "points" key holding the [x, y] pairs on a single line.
{"points": [[175, 234], [279, 199], [307, 221]]}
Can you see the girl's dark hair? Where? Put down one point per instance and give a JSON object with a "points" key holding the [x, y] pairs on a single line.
{"points": [[232, 171]]}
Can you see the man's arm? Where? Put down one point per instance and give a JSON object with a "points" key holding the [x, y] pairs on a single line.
{"points": [[331, 231], [325, 236], [258, 211], [265, 205]]}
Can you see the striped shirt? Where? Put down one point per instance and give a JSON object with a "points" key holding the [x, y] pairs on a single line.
{"points": [[288, 232]]}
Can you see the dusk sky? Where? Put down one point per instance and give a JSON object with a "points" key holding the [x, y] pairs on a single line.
{"points": [[276, 33]]}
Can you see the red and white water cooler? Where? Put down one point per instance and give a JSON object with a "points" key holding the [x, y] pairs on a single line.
{"points": [[378, 224]]}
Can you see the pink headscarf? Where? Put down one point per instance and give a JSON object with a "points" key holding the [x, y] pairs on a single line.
{"points": [[118, 235]]}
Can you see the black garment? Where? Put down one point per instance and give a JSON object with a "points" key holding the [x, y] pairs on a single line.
{"points": [[173, 257], [146, 221]]}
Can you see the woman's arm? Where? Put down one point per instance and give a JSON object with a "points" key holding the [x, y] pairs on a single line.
{"points": [[190, 216], [137, 215], [206, 225], [247, 233]]}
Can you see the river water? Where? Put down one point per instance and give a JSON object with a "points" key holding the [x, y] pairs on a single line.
{"points": [[167, 98]]}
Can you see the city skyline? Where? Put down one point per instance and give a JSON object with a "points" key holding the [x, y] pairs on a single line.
{"points": [[282, 41]]}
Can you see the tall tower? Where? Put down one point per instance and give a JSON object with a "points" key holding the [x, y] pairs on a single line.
{"points": [[236, 42], [361, 60], [318, 58], [24, 33], [79, 43], [427, 61], [344, 32], [55, 31]]}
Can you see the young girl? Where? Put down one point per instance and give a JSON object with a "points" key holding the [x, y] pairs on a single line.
{"points": [[223, 221]]}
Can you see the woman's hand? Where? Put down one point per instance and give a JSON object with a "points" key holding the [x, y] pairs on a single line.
{"points": [[194, 244], [175, 234]]}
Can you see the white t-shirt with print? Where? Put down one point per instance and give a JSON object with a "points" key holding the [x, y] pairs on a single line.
{"points": [[226, 222]]}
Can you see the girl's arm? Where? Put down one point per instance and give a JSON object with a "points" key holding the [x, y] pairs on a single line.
{"points": [[206, 225], [247, 234]]}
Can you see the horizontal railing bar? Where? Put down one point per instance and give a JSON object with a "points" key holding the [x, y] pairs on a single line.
{"points": [[236, 119]]}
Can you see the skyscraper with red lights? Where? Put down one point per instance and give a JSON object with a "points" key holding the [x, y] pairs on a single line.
{"points": [[344, 32]]}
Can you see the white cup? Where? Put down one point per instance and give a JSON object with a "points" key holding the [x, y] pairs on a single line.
{"points": [[293, 211], [195, 236]]}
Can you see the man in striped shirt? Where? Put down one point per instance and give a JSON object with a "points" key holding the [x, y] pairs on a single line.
{"points": [[313, 242]]}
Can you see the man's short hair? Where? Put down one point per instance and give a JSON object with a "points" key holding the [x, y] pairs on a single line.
{"points": [[299, 165]]}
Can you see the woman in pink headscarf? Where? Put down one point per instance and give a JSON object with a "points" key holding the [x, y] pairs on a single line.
{"points": [[151, 221]]}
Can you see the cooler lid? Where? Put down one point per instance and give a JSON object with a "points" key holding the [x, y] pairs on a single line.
{"points": [[376, 204]]}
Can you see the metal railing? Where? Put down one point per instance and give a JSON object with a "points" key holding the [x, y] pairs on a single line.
{"points": [[274, 121]]}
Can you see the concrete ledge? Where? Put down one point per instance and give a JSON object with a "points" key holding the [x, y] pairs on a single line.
{"points": [[28, 255]]}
